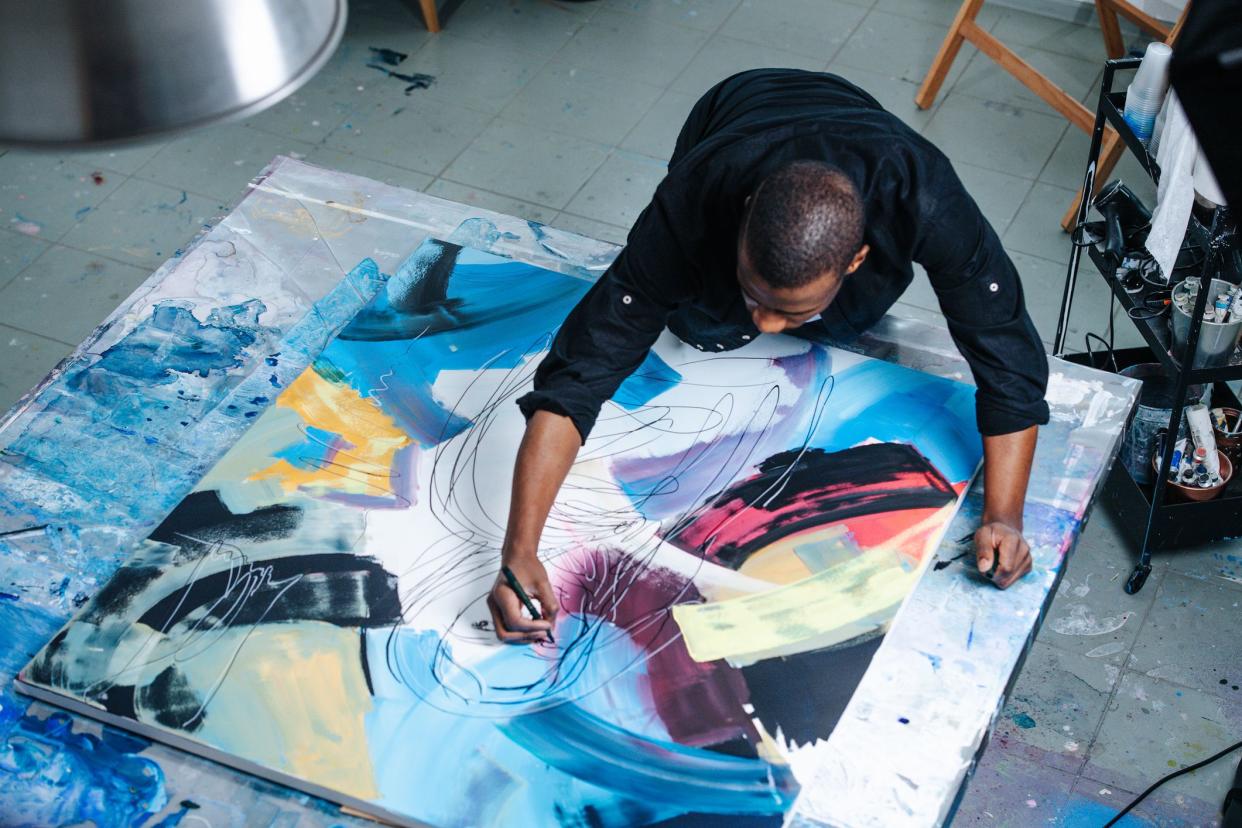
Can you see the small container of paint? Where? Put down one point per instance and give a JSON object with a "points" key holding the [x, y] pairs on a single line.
{"points": [[1185, 489]]}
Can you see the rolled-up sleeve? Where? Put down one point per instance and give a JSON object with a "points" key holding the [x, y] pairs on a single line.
{"points": [[981, 297], [609, 332]]}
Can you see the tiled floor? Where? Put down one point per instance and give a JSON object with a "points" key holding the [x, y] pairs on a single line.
{"points": [[566, 113]]}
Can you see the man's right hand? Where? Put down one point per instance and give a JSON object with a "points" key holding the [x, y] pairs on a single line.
{"points": [[508, 616]]}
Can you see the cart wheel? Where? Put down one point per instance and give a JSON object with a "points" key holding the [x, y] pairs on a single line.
{"points": [[1137, 578]]}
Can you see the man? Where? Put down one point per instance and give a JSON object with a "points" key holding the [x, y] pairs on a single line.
{"points": [[793, 202]]}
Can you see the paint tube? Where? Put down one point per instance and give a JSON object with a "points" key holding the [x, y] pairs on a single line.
{"points": [[1188, 475], [1175, 464], [1222, 307], [1201, 430]]}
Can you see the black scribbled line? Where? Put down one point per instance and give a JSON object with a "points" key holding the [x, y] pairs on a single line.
{"points": [[469, 550]]}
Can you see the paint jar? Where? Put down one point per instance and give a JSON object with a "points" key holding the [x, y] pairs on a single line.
{"points": [[1155, 406], [1184, 492], [1217, 340]]}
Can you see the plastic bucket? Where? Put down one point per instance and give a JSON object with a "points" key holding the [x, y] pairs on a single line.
{"points": [[1151, 415]]}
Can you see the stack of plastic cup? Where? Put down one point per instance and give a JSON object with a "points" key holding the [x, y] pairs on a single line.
{"points": [[1147, 91]]}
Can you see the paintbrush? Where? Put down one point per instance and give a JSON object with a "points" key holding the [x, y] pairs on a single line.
{"points": [[516, 586]]}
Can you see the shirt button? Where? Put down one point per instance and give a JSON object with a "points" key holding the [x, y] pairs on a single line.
{"points": [[994, 287], [746, 337], [626, 299]]}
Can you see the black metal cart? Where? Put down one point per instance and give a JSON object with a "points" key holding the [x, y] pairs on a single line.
{"points": [[1153, 522]]}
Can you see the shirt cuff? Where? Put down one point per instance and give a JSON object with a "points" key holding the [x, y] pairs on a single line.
{"points": [[996, 417], [582, 419]]}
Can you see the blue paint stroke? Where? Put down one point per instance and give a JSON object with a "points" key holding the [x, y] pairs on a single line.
{"points": [[657, 773], [494, 763], [49, 773], [171, 342], [891, 403], [56, 776], [652, 378], [397, 347]]}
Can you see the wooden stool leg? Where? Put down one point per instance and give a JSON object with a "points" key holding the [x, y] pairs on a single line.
{"points": [[430, 16], [948, 53], [1109, 28], [1110, 154]]}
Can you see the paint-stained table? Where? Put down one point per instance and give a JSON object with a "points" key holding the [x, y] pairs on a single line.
{"points": [[105, 446]]}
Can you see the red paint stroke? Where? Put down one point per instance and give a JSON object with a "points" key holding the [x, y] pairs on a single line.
{"points": [[699, 703], [877, 490]]}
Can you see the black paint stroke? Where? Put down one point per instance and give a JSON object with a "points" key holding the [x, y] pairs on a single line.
{"points": [[171, 700], [337, 588], [415, 303], [202, 519]]}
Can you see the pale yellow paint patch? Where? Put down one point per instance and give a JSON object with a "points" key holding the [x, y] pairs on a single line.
{"points": [[852, 598], [297, 702], [375, 438]]}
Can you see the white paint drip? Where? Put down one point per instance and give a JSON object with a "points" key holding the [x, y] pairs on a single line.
{"points": [[1106, 649], [1080, 621]]}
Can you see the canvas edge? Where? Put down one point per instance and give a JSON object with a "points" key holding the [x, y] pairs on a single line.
{"points": [[170, 739]]}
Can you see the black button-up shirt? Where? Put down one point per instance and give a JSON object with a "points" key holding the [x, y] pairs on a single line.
{"points": [[679, 266]]}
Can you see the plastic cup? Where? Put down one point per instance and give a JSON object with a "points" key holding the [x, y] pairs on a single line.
{"points": [[1145, 95], [1152, 76]]}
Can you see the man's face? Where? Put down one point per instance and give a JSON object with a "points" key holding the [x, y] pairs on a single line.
{"points": [[774, 309]]}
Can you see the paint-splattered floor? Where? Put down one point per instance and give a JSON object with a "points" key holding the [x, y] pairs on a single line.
{"points": [[566, 113]]}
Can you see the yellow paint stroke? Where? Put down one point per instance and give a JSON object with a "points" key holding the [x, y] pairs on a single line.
{"points": [[781, 563], [852, 598], [297, 702], [365, 467]]}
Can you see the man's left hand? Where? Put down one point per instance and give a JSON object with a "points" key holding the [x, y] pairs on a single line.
{"points": [[1001, 553]]}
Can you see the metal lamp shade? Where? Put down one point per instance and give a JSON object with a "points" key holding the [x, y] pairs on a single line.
{"points": [[75, 72]]}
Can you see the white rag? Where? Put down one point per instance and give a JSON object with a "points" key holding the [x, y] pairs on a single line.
{"points": [[1176, 194]]}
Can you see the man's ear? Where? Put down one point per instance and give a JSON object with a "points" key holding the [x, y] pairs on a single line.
{"points": [[859, 257]]}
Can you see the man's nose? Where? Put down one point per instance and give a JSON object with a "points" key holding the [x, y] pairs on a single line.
{"points": [[766, 322]]}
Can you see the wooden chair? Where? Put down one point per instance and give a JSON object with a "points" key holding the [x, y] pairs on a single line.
{"points": [[964, 29], [1107, 10]]}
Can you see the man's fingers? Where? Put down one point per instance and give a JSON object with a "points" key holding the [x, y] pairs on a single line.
{"points": [[547, 599], [1007, 549], [1019, 565], [507, 612], [510, 636], [984, 552]]}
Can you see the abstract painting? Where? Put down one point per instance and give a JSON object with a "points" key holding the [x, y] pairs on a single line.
{"points": [[729, 548]]}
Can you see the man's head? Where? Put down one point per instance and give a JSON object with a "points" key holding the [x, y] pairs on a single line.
{"points": [[801, 235]]}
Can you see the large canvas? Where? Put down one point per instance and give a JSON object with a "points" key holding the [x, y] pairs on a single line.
{"points": [[729, 549]]}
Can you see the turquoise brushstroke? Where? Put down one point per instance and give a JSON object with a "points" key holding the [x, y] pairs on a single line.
{"points": [[652, 378], [524, 738]]}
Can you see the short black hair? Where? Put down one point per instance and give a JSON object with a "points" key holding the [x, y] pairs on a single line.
{"points": [[803, 220]]}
